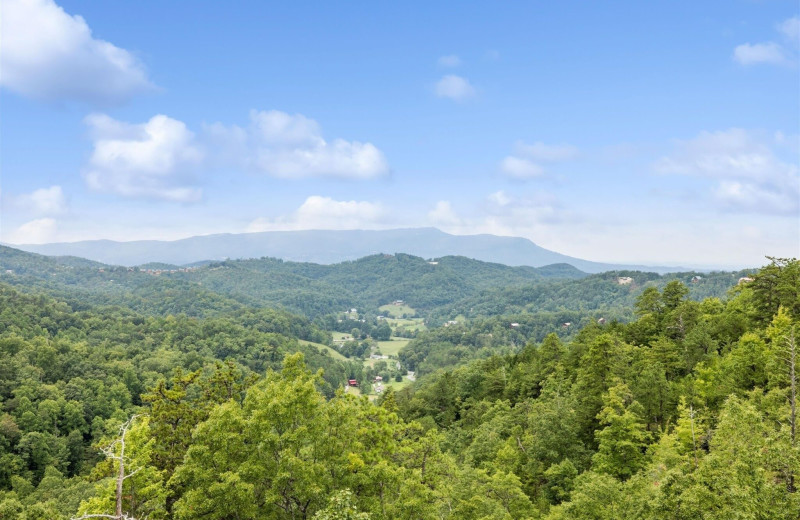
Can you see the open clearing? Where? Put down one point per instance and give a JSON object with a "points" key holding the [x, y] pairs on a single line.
{"points": [[391, 348], [396, 311], [333, 352], [397, 386]]}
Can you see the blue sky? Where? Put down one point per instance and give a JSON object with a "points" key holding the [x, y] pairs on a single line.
{"points": [[658, 132]]}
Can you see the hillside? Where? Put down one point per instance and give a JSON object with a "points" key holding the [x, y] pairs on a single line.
{"points": [[326, 247]]}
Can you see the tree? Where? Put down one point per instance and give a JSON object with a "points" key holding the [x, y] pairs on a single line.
{"points": [[623, 439], [138, 488]]}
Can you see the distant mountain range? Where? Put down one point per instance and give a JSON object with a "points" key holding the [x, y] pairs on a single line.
{"points": [[326, 247]]}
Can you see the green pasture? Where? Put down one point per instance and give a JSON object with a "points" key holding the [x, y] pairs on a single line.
{"points": [[333, 352]]}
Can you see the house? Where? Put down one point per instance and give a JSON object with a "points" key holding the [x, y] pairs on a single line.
{"points": [[566, 325], [378, 379], [451, 322], [696, 279], [433, 263], [353, 311], [398, 302], [624, 280], [514, 325], [744, 279], [601, 321], [352, 382]]}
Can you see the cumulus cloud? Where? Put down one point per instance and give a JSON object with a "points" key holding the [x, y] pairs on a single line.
{"points": [[500, 198], [455, 88], [527, 159], [51, 55], [790, 29], [156, 159], [450, 61], [504, 215], [38, 231], [520, 168], [750, 174], [292, 146], [539, 151], [325, 213], [443, 215], [752, 54], [44, 201], [772, 53]]}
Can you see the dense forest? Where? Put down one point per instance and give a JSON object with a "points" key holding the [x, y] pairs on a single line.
{"points": [[198, 394]]}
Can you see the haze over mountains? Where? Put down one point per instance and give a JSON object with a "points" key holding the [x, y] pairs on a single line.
{"points": [[326, 247]]}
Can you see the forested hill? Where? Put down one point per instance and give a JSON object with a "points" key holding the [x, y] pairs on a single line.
{"points": [[687, 412], [439, 287]]}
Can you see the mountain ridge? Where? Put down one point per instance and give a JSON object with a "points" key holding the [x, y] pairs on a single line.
{"points": [[327, 247]]}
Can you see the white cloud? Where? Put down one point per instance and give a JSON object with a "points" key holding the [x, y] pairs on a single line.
{"points": [[750, 174], [790, 29], [325, 213], [443, 215], [539, 151], [50, 55], [44, 201], [500, 198], [519, 168], [292, 146], [455, 87], [752, 54], [450, 61], [525, 164], [39, 231], [156, 159], [772, 53], [505, 215]]}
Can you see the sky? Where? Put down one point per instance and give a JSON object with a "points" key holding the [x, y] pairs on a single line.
{"points": [[655, 132]]}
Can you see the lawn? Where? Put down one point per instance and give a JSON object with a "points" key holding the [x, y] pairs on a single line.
{"points": [[391, 348], [396, 311], [395, 385]]}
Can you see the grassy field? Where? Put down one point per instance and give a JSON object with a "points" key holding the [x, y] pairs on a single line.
{"points": [[396, 311], [353, 390], [391, 348], [334, 354], [395, 385]]}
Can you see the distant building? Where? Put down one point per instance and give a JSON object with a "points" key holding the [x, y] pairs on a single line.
{"points": [[696, 279], [566, 325], [451, 322], [601, 321], [433, 263], [378, 379], [398, 302], [514, 325], [744, 279], [624, 280], [352, 382]]}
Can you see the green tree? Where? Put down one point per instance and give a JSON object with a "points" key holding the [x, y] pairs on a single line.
{"points": [[623, 439]]}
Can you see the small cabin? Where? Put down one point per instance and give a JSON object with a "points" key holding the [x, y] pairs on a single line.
{"points": [[601, 321], [378, 379], [352, 382], [696, 279], [566, 325], [624, 280], [514, 325]]}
